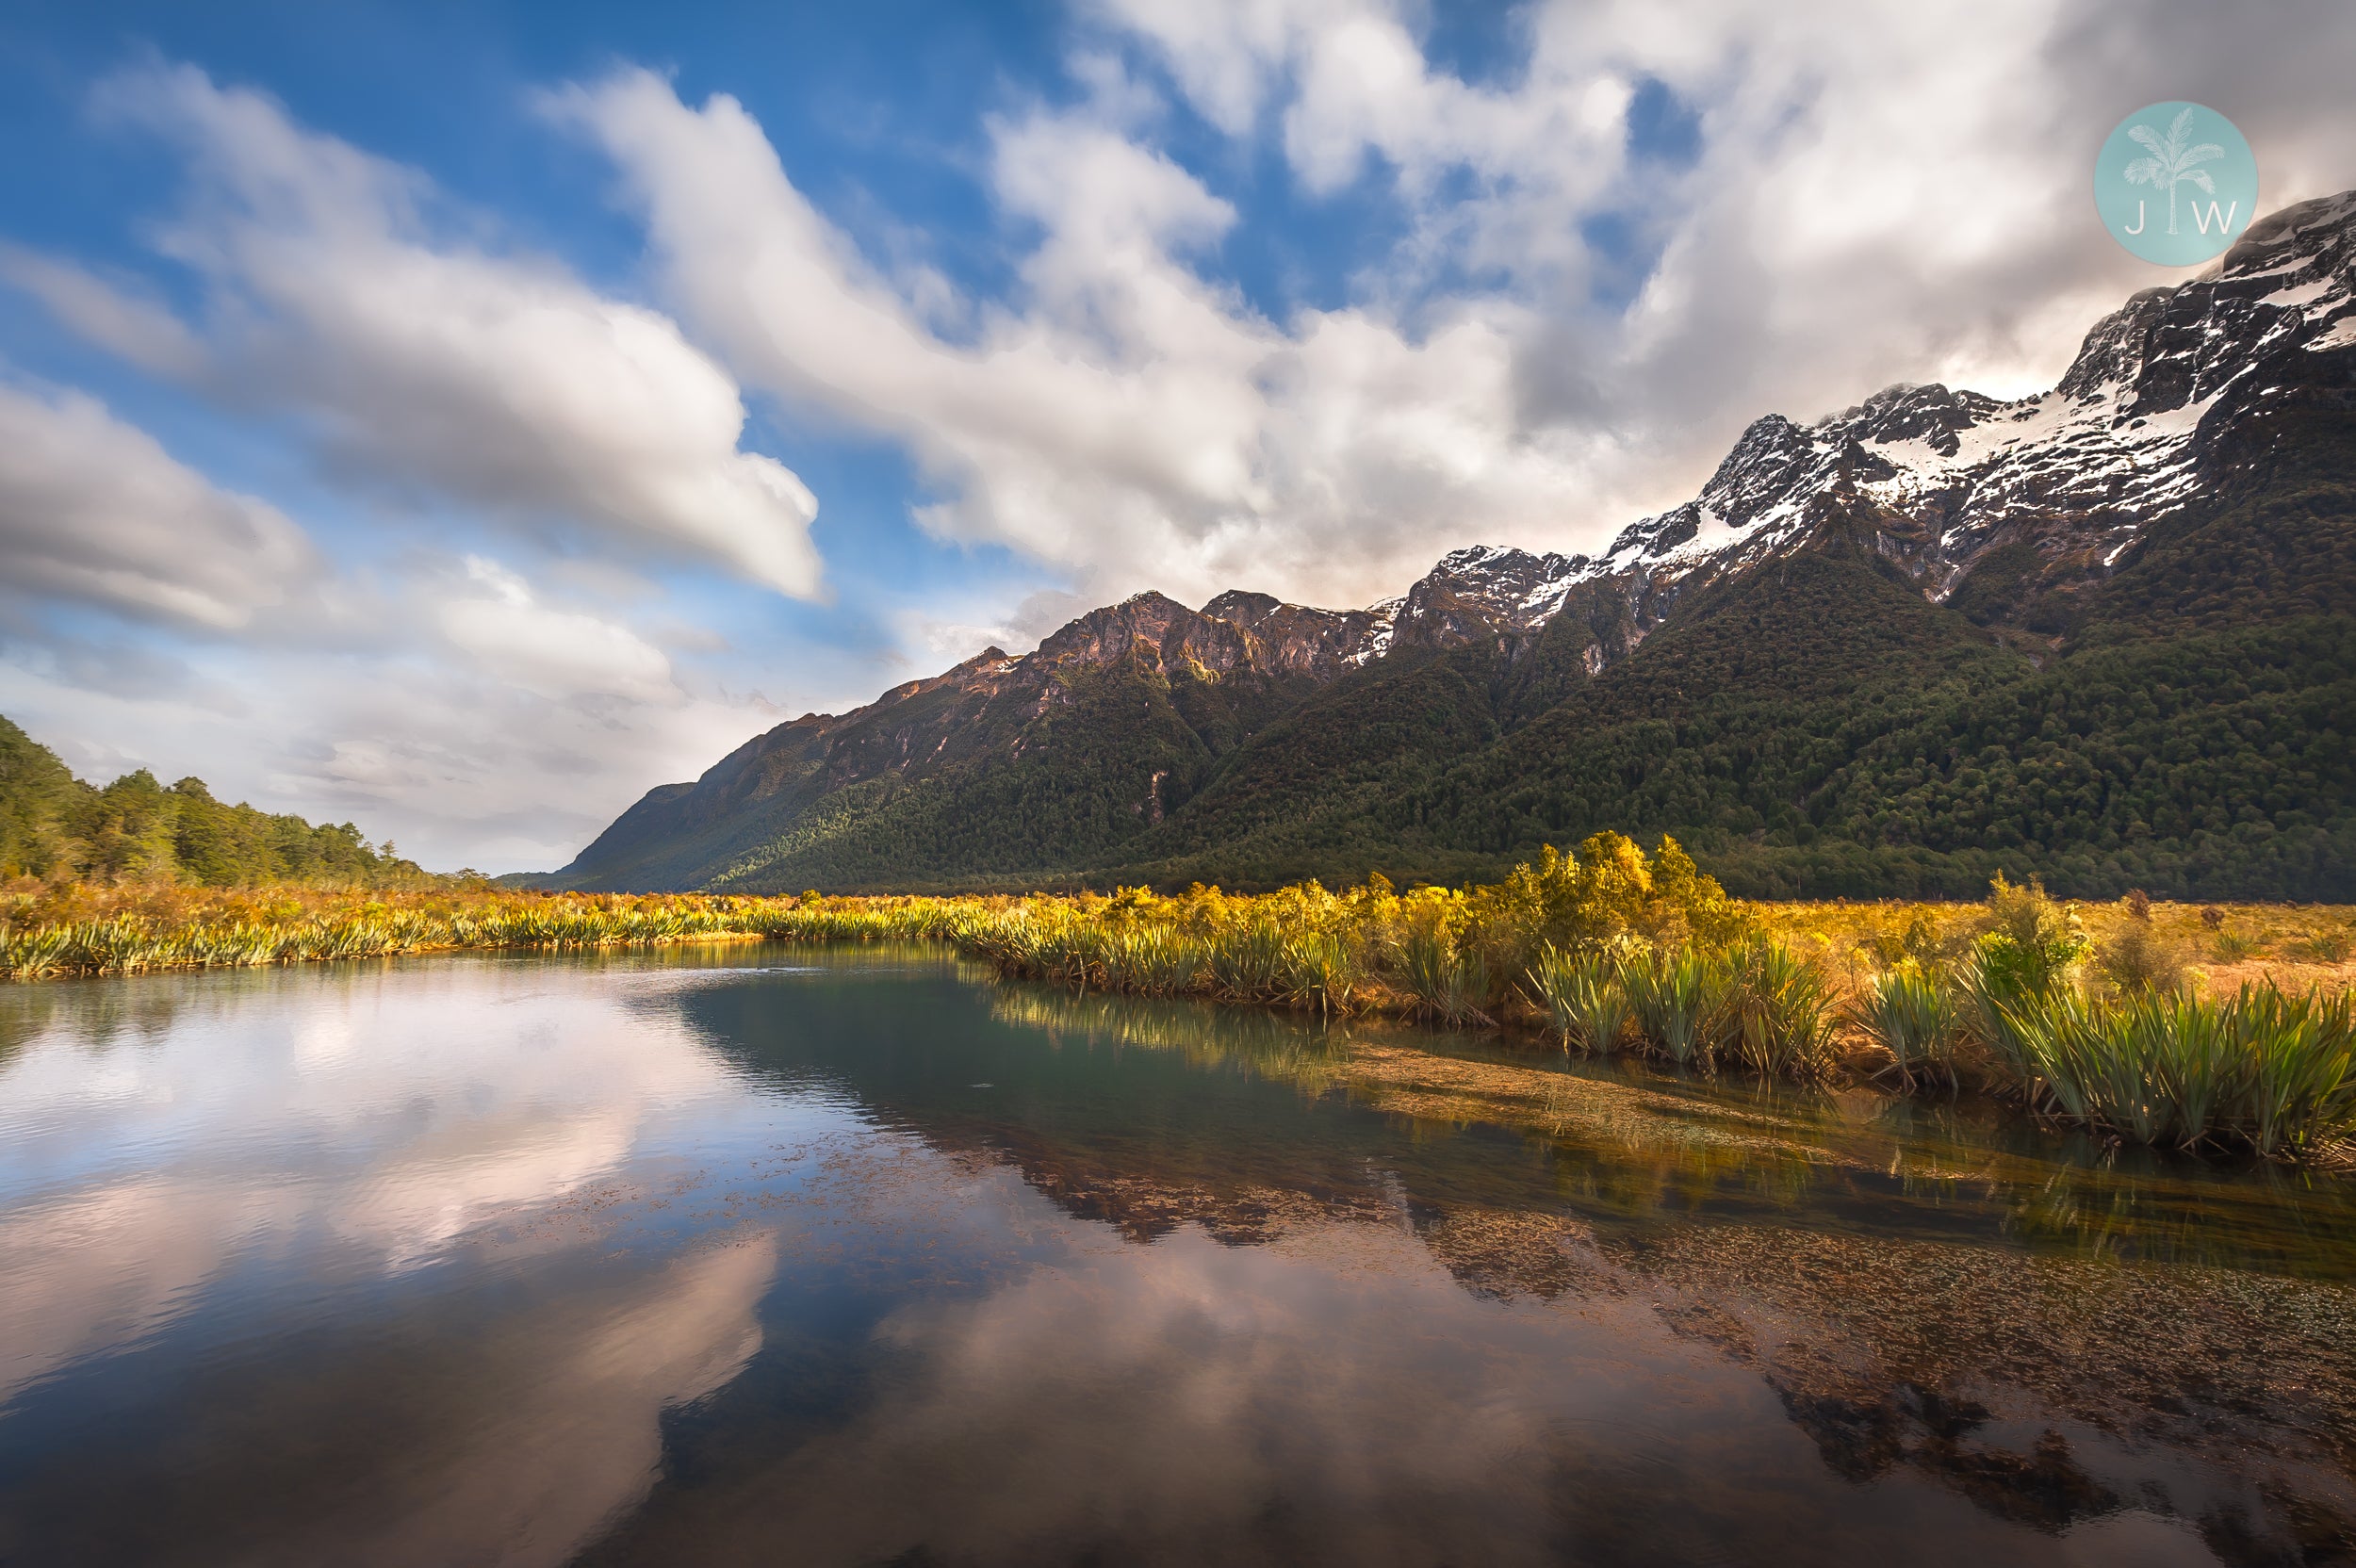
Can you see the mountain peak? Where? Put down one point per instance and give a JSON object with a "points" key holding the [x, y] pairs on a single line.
{"points": [[1242, 606], [2005, 517], [2144, 417], [2310, 229]]}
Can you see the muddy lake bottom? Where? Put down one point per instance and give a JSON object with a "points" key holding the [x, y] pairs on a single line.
{"points": [[751, 1254]]}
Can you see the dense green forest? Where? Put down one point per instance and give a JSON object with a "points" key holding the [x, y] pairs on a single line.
{"points": [[2214, 765], [134, 829]]}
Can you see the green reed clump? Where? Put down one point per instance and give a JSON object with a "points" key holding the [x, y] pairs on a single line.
{"points": [[1586, 998], [1678, 999], [2273, 1072], [1446, 983], [2231, 947], [30, 954], [1164, 962], [843, 921], [1247, 962], [1608, 949], [1321, 969], [1907, 1012], [1775, 1011], [306, 927], [1759, 1006], [2302, 1087]]}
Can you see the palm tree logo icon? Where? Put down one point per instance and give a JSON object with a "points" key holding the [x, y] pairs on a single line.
{"points": [[2172, 160]]}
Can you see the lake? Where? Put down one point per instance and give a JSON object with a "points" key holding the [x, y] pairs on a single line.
{"points": [[748, 1255]]}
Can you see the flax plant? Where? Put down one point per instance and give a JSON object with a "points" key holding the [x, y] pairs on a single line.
{"points": [[1605, 948], [1774, 1013], [1907, 1012], [1676, 999], [1586, 998], [2259, 1070], [1448, 985]]}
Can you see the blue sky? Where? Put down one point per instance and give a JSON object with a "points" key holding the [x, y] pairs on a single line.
{"points": [[458, 419]]}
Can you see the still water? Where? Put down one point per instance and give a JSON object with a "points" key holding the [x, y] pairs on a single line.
{"points": [[761, 1256]]}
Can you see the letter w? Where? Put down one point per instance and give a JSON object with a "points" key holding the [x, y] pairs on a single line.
{"points": [[2224, 224]]}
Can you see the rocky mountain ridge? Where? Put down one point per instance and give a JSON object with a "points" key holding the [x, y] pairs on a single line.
{"points": [[2011, 514]]}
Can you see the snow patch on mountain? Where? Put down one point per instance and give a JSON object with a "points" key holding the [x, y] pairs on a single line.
{"points": [[1944, 476]]}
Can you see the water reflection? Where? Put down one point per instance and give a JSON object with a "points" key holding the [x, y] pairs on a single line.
{"points": [[731, 1257], [1630, 1144]]}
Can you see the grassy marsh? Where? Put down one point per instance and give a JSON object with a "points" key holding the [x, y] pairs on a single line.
{"points": [[2176, 1025]]}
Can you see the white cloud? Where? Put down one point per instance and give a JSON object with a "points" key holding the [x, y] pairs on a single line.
{"points": [[460, 1141], [1132, 422], [124, 320], [94, 509], [1878, 195], [430, 365], [470, 712], [1872, 197], [555, 653]]}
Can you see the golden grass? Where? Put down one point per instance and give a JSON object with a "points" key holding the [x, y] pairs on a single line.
{"points": [[1782, 989], [2224, 945]]}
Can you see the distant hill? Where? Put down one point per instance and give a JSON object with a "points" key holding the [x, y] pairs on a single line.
{"points": [[2102, 635], [134, 829]]}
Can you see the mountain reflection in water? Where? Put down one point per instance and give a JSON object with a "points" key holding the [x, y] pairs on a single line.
{"points": [[740, 1256]]}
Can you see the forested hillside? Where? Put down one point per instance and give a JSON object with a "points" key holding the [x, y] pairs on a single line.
{"points": [[134, 829], [2106, 636]]}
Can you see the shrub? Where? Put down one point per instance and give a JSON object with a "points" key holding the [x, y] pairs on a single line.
{"points": [[1606, 891], [2140, 958], [2029, 952], [2033, 941]]}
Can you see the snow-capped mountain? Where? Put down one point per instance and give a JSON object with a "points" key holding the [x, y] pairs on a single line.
{"points": [[2148, 414], [2003, 516]]}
